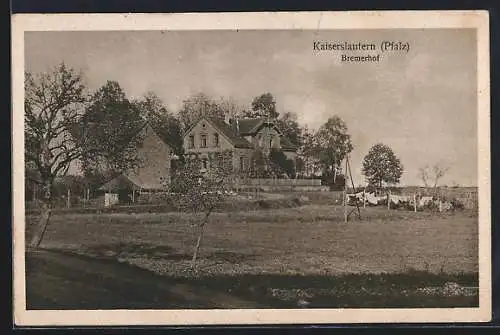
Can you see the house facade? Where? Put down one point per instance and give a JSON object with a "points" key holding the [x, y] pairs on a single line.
{"points": [[155, 155], [152, 172], [242, 137]]}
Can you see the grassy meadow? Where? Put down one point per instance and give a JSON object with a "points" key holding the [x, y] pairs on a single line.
{"points": [[307, 253]]}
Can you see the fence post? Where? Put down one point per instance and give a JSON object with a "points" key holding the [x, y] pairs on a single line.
{"points": [[68, 200], [388, 201], [414, 202], [440, 205], [345, 206], [364, 198]]}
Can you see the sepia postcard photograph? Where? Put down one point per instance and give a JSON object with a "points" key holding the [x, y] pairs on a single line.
{"points": [[251, 168]]}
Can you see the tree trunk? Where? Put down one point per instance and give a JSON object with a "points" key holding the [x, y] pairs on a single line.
{"points": [[46, 211], [198, 242]]}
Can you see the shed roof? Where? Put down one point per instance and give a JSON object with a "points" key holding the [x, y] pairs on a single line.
{"points": [[119, 183], [123, 182]]}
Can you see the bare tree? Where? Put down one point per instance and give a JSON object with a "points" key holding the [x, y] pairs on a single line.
{"points": [[230, 107], [53, 103], [201, 190], [423, 174], [196, 106], [438, 172], [434, 174]]}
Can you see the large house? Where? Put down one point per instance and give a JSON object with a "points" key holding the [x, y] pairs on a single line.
{"points": [[153, 170], [242, 137]]}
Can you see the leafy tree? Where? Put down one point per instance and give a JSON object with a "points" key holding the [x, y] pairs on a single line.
{"points": [[112, 127], [53, 103], [202, 192], [32, 178], [168, 127], [197, 106], [260, 165], [263, 106], [290, 128], [381, 165], [331, 145], [76, 184], [308, 163], [282, 162], [336, 183]]}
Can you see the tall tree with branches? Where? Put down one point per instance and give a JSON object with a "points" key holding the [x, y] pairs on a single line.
{"points": [[263, 105], [53, 104], [381, 165], [290, 128], [332, 144], [112, 127]]}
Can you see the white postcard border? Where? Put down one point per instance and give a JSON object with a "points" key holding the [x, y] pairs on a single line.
{"points": [[256, 21]]}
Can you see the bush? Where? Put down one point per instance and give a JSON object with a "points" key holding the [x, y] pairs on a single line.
{"points": [[457, 204], [282, 162], [327, 180]]}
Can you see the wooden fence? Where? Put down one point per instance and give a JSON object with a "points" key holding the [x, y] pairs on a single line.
{"points": [[279, 182]]}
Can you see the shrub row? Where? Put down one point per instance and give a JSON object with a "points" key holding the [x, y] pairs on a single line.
{"points": [[228, 206]]}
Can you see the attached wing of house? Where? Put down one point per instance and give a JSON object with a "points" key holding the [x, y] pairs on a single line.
{"points": [[154, 168]]}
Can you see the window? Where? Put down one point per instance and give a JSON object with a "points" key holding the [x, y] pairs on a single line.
{"points": [[204, 163], [216, 140], [191, 142], [270, 143], [242, 163], [203, 141]]}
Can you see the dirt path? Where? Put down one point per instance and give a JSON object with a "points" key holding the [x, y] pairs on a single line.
{"points": [[61, 281]]}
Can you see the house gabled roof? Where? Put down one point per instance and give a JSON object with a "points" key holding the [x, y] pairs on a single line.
{"points": [[226, 131], [76, 131], [118, 183], [246, 127], [251, 126]]}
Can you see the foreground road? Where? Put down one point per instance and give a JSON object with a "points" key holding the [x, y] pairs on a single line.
{"points": [[61, 281]]}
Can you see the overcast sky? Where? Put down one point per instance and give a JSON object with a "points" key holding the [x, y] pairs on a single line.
{"points": [[423, 104]]}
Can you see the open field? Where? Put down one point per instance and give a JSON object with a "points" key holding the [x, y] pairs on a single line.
{"points": [[290, 251], [310, 239]]}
